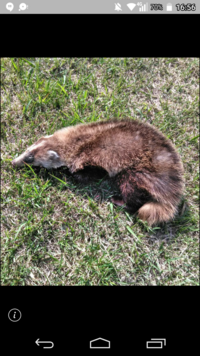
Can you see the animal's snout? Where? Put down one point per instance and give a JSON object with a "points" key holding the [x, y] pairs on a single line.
{"points": [[13, 163]]}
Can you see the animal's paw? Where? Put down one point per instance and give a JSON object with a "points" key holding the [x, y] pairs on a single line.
{"points": [[118, 201]]}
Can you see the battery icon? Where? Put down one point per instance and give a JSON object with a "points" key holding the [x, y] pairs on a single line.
{"points": [[169, 7], [156, 344]]}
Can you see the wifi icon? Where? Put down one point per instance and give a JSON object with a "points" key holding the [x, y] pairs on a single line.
{"points": [[131, 6]]}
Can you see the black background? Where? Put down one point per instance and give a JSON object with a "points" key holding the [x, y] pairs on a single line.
{"points": [[115, 35], [128, 317]]}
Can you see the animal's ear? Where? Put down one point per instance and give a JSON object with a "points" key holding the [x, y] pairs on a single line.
{"points": [[53, 155]]}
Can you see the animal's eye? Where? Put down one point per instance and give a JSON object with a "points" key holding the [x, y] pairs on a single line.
{"points": [[29, 159]]}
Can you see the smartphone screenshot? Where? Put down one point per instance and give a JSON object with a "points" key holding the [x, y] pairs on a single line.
{"points": [[99, 176]]}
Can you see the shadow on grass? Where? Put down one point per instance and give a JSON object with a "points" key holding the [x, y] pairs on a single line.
{"points": [[96, 186]]}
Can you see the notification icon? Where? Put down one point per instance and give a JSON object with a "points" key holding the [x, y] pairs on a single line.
{"points": [[23, 7], [9, 6]]}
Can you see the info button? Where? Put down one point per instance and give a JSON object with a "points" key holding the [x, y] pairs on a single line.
{"points": [[14, 315]]}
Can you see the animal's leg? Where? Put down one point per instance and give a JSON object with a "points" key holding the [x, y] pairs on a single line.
{"points": [[133, 196], [89, 174], [118, 201]]}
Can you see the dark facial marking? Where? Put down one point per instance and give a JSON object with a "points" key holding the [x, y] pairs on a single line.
{"points": [[29, 158]]}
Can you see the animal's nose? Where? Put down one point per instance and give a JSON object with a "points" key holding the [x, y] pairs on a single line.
{"points": [[13, 163]]}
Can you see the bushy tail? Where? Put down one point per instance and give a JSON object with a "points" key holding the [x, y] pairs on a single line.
{"points": [[155, 212]]}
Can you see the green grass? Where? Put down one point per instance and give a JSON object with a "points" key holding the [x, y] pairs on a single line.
{"points": [[57, 232]]}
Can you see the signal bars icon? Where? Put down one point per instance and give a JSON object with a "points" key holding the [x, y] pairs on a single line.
{"points": [[144, 7]]}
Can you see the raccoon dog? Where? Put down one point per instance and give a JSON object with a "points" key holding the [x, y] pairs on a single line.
{"points": [[143, 163]]}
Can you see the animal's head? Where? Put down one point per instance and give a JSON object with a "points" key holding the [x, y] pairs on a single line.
{"points": [[43, 153]]}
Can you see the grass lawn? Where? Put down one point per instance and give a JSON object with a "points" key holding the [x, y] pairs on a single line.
{"points": [[55, 231]]}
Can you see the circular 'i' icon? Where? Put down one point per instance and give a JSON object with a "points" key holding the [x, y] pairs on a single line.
{"points": [[14, 315]]}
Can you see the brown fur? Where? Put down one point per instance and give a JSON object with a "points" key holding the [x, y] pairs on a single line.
{"points": [[143, 163]]}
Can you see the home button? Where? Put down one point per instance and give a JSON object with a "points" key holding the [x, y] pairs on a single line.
{"points": [[100, 344]]}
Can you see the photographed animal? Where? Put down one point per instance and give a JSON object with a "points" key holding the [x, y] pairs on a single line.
{"points": [[141, 161]]}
